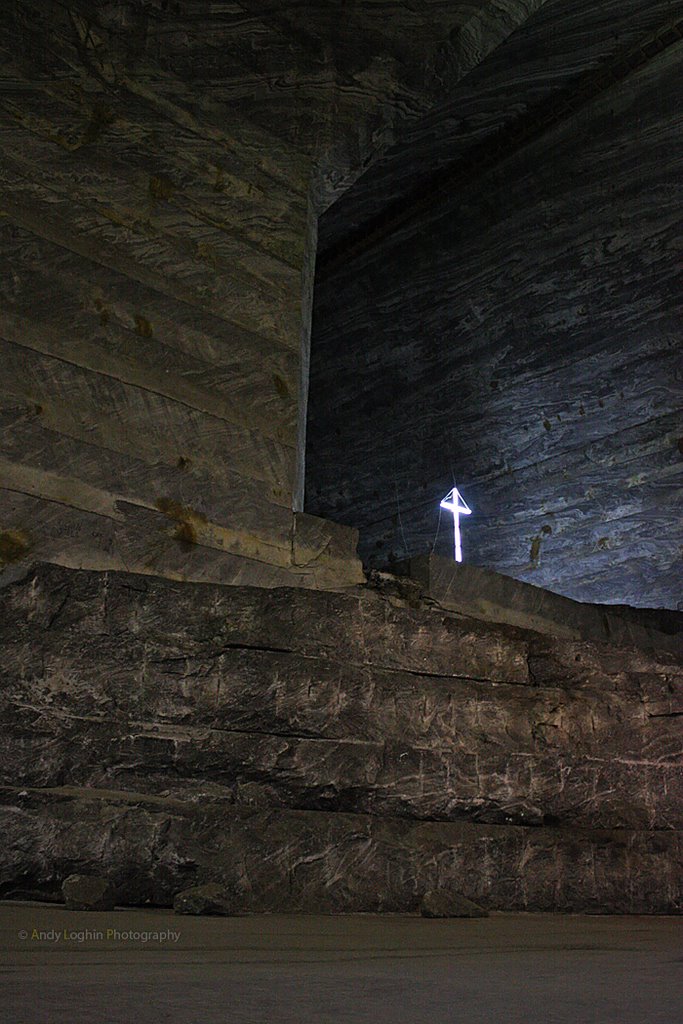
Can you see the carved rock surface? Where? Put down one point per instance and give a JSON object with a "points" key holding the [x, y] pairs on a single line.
{"points": [[160, 241], [291, 861], [343, 752], [501, 285]]}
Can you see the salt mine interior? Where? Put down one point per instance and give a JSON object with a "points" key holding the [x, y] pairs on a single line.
{"points": [[279, 280]]}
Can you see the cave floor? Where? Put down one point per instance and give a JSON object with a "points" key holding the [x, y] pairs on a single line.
{"points": [[312, 970]]}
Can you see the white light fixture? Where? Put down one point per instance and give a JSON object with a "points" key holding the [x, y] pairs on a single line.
{"points": [[456, 504]]}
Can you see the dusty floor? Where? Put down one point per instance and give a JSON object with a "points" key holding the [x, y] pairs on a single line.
{"points": [[313, 970]]}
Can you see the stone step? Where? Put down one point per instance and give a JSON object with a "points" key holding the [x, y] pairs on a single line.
{"points": [[493, 597], [332, 728], [312, 862]]}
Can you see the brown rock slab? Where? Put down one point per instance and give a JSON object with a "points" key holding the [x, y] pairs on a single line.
{"points": [[444, 903], [88, 892], [494, 597], [308, 862], [323, 752], [206, 899]]}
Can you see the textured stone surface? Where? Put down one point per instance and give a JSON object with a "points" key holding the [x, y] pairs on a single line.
{"points": [[449, 904], [88, 892], [313, 862], [539, 67], [518, 329], [162, 166], [205, 899], [315, 750], [493, 597]]}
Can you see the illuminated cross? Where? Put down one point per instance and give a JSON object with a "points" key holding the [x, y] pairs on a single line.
{"points": [[456, 504]]}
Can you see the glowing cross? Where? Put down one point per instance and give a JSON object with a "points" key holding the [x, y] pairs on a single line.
{"points": [[456, 504]]}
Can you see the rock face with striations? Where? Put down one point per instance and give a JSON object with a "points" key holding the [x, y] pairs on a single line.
{"points": [[160, 240], [503, 277], [314, 751]]}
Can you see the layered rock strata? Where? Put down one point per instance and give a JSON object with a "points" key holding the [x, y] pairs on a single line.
{"points": [[335, 752], [162, 167], [514, 317]]}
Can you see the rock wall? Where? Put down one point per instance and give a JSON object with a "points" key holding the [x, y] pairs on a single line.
{"points": [[505, 312], [482, 594], [162, 167], [334, 752]]}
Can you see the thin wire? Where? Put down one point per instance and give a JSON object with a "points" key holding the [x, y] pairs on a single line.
{"points": [[438, 527]]}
